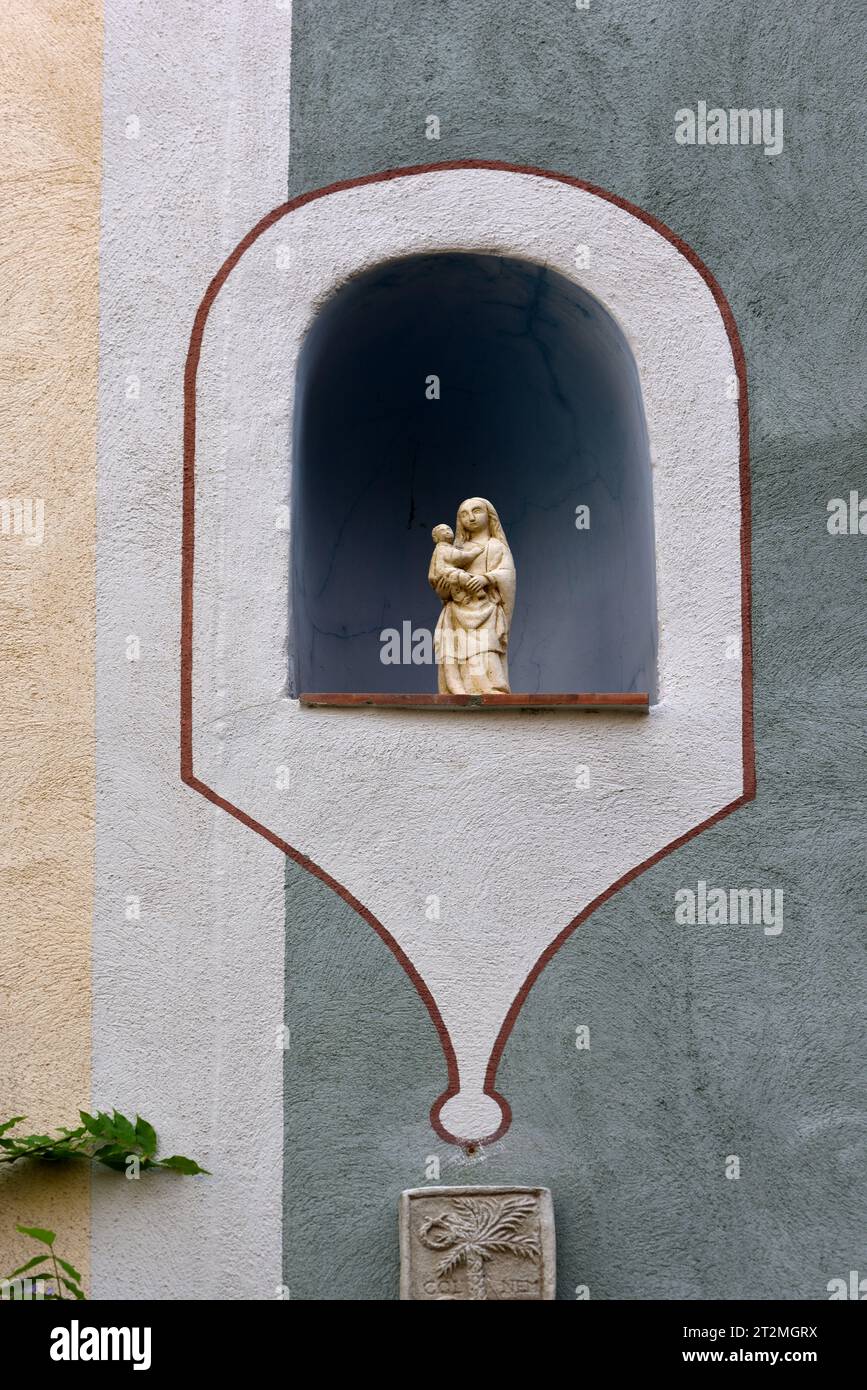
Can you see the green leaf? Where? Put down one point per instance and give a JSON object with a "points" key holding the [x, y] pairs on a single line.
{"points": [[39, 1146], [37, 1232], [70, 1269], [107, 1139], [113, 1158], [125, 1130], [146, 1136], [73, 1288], [97, 1146], [178, 1164], [118, 1161], [37, 1260], [99, 1124]]}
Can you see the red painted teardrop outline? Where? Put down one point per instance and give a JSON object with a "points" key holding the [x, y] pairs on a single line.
{"points": [[188, 558]]}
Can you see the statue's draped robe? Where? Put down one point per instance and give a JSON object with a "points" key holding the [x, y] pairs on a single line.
{"points": [[472, 633]]}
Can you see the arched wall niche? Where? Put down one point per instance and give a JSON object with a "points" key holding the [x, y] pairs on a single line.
{"points": [[387, 807], [539, 408]]}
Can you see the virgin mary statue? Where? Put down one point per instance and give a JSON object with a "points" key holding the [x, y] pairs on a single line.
{"points": [[472, 634]]}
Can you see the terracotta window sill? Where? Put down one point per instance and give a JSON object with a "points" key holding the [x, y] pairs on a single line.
{"points": [[628, 702]]}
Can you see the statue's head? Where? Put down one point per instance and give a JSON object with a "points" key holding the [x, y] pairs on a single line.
{"points": [[475, 517], [443, 533]]}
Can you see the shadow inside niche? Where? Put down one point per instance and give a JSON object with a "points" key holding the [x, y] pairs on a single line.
{"points": [[539, 410]]}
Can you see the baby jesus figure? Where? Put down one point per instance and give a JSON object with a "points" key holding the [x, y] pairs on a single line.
{"points": [[447, 563]]}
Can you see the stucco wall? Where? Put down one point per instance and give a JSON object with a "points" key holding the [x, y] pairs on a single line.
{"points": [[188, 996], [705, 1041], [49, 224]]}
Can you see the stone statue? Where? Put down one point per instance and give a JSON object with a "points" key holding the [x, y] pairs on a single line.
{"points": [[473, 573]]}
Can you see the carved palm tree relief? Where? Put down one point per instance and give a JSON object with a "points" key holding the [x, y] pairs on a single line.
{"points": [[477, 1228]]}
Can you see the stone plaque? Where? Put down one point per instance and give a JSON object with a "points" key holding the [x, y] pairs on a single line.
{"points": [[477, 1242]]}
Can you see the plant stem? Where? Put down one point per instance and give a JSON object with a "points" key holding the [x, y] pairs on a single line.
{"points": [[56, 1273]]}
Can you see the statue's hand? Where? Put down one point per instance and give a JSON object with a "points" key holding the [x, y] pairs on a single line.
{"points": [[476, 584]]}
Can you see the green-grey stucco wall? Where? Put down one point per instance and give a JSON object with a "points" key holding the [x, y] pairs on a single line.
{"points": [[706, 1041]]}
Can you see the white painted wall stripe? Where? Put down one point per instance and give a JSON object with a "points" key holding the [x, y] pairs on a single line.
{"points": [[188, 999]]}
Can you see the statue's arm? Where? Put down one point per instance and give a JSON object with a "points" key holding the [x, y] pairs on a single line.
{"points": [[441, 584], [466, 554], [496, 553]]}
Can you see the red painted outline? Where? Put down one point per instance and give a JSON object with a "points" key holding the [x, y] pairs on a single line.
{"points": [[188, 558]]}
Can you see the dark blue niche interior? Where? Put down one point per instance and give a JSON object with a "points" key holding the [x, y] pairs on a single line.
{"points": [[540, 411]]}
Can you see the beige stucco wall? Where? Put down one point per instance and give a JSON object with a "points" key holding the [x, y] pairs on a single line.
{"points": [[50, 66]]}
